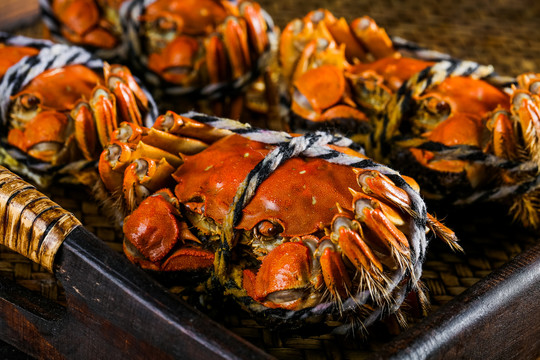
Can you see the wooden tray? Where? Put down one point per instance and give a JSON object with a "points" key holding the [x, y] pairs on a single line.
{"points": [[475, 315]]}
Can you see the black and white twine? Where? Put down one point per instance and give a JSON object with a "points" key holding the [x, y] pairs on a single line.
{"points": [[315, 145]]}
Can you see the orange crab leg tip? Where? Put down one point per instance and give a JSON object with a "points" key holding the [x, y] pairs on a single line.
{"points": [[443, 232], [335, 274], [189, 259]]}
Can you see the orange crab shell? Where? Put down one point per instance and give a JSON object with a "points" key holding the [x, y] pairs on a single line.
{"points": [[393, 70], [51, 83], [10, 55], [198, 16], [300, 195]]}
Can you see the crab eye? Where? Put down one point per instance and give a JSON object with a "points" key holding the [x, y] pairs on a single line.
{"points": [[437, 106], [29, 101], [165, 24], [268, 228]]}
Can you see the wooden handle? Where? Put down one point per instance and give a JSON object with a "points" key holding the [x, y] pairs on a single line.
{"points": [[31, 223]]}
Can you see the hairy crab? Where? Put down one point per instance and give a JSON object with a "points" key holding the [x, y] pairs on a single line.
{"points": [[436, 118], [198, 46], [293, 227], [67, 107], [94, 24], [315, 53], [481, 142]]}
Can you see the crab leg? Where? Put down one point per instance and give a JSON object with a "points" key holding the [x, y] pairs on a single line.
{"points": [[381, 187], [251, 12], [85, 129], [173, 143], [144, 176], [336, 277], [129, 133], [352, 244], [374, 38], [103, 105], [126, 77], [237, 47], [112, 163], [216, 60], [126, 100], [183, 126], [503, 141]]}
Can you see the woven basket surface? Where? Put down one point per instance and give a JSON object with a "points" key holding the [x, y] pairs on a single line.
{"points": [[498, 32]]}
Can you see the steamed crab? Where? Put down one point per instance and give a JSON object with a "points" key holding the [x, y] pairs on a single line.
{"points": [[484, 139], [323, 52], [311, 232], [196, 43], [68, 113], [90, 23]]}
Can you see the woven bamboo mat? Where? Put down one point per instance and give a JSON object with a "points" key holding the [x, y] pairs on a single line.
{"points": [[498, 32]]}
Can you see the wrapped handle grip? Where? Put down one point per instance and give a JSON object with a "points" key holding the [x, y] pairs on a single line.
{"points": [[31, 223]]}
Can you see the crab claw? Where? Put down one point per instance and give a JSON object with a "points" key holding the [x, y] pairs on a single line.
{"points": [[156, 237], [45, 137], [153, 228], [176, 62], [309, 85], [283, 277], [81, 23]]}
